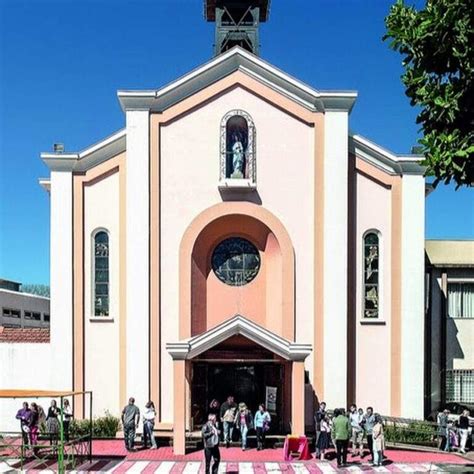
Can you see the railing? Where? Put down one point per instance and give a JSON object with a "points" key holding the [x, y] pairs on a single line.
{"points": [[459, 386], [40, 455]]}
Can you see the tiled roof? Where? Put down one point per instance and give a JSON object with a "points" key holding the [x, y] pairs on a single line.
{"points": [[24, 335]]}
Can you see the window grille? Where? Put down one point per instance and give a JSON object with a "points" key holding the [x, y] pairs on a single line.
{"points": [[371, 276], [461, 300], [460, 386], [101, 274], [237, 147]]}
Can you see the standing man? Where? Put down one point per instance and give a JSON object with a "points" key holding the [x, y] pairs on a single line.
{"points": [[442, 420], [24, 415], [228, 410], [369, 423], [210, 437], [319, 416], [341, 428], [130, 420]]}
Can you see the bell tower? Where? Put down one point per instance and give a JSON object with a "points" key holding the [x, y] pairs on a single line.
{"points": [[237, 22]]}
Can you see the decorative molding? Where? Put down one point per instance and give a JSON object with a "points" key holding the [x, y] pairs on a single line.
{"points": [[89, 157], [383, 159], [237, 59], [238, 325]]}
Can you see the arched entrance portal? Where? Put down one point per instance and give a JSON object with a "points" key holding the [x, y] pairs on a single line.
{"points": [[236, 258]]}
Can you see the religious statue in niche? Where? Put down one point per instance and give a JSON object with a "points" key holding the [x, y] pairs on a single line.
{"points": [[236, 148]]}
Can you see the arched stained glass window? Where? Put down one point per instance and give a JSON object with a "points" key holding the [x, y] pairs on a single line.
{"points": [[237, 146], [371, 275], [101, 274]]}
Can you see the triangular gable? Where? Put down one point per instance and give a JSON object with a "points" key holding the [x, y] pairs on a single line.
{"points": [[238, 325], [236, 59]]}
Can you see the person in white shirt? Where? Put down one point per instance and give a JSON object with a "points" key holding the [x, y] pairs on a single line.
{"points": [[355, 417], [148, 425]]}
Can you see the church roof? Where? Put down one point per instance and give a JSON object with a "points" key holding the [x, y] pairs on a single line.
{"points": [[236, 59]]}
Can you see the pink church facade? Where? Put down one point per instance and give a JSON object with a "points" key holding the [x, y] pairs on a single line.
{"points": [[235, 237]]}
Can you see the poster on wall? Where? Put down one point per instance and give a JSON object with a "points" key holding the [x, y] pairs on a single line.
{"points": [[271, 398]]}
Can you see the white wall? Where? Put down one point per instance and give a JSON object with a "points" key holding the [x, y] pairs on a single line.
{"points": [[335, 257], [413, 264], [26, 366], [189, 180], [46, 366], [137, 259], [101, 211]]}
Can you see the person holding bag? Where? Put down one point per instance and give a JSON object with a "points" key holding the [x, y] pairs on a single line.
{"points": [[262, 425], [244, 423], [210, 437]]}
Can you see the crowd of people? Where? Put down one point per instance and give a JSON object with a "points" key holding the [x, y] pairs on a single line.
{"points": [[338, 429], [453, 433], [343, 430], [32, 418]]}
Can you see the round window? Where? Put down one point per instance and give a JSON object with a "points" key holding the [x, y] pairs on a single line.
{"points": [[236, 261]]}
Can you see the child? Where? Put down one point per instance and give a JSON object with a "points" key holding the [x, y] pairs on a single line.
{"points": [[324, 439]]}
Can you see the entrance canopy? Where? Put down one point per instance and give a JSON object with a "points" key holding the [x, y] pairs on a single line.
{"points": [[238, 325], [28, 393]]}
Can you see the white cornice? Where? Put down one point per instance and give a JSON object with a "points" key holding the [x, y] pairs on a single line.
{"points": [[45, 183], [89, 157], [384, 159], [233, 60], [238, 325]]}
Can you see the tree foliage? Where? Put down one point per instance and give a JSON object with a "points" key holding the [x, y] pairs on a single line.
{"points": [[437, 44]]}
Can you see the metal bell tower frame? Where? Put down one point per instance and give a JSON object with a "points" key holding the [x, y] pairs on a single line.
{"points": [[237, 23]]}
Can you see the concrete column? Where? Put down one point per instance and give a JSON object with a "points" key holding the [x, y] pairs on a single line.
{"points": [[335, 257], [61, 278], [179, 408], [137, 255], [297, 398], [412, 317]]}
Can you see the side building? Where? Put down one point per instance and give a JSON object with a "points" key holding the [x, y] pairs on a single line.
{"points": [[450, 324], [22, 310]]}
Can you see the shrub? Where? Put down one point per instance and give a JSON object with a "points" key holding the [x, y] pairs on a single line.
{"points": [[102, 427], [415, 432]]}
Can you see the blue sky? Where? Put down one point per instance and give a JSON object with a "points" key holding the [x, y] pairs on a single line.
{"points": [[62, 61]]}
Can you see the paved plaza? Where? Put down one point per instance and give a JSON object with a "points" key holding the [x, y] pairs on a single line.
{"points": [[111, 457]]}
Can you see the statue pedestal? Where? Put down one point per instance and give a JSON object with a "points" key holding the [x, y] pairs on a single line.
{"points": [[237, 175]]}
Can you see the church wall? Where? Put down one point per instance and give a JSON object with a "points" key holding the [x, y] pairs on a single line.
{"points": [[189, 180], [373, 338], [26, 366], [101, 211]]}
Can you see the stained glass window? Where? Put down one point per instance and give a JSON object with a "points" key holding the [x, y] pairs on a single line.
{"points": [[101, 274], [236, 261], [371, 275]]}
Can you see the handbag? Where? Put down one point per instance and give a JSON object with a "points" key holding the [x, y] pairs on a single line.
{"points": [[266, 426]]}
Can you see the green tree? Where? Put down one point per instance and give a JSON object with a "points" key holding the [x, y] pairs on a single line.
{"points": [[437, 44]]}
